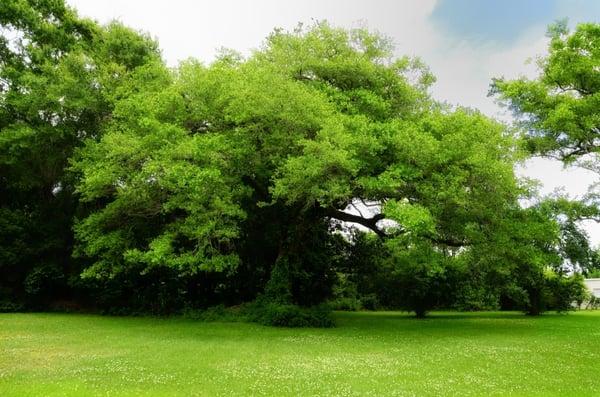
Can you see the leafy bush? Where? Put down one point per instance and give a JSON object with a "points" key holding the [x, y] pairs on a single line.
{"points": [[418, 282], [219, 313], [42, 279], [593, 303], [369, 302], [345, 294], [10, 307], [266, 312], [470, 297], [348, 304], [594, 273], [548, 290], [286, 315], [566, 293], [160, 291]]}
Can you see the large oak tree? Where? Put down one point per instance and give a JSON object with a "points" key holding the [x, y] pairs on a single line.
{"points": [[247, 161]]}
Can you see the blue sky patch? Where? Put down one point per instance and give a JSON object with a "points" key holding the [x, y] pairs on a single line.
{"points": [[503, 21]]}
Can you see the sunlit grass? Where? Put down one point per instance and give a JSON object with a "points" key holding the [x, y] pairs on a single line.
{"points": [[367, 354]]}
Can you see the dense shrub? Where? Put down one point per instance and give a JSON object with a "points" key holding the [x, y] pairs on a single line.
{"points": [[594, 273], [287, 315], [593, 303], [419, 281], [43, 282], [548, 290], [7, 306], [566, 293], [218, 313], [369, 302], [157, 292], [470, 297], [345, 294], [266, 312], [348, 304]]}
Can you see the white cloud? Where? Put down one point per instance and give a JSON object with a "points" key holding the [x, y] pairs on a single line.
{"points": [[187, 28]]}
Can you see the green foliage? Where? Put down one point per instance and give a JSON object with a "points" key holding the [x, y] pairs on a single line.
{"points": [[595, 273], [347, 304], [266, 312], [9, 306], [218, 313], [593, 268], [60, 76], [420, 279], [286, 315], [159, 291], [42, 282], [592, 303], [508, 269], [476, 298], [560, 107], [474, 289], [167, 192], [370, 302], [345, 294], [363, 276], [566, 293], [548, 290], [375, 275]]}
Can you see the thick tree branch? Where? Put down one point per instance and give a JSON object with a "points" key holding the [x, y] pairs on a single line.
{"points": [[372, 205], [370, 223]]}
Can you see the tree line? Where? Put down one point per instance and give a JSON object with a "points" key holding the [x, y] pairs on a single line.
{"points": [[131, 187]]}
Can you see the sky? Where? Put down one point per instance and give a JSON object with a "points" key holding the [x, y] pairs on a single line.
{"points": [[464, 42]]}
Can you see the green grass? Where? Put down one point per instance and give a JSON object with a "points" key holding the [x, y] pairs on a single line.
{"points": [[367, 354]]}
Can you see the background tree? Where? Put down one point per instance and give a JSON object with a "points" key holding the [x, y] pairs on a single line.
{"points": [[560, 107], [59, 77], [559, 113]]}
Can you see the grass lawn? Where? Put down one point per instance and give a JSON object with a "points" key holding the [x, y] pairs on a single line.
{"points": [[373, 354]]}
